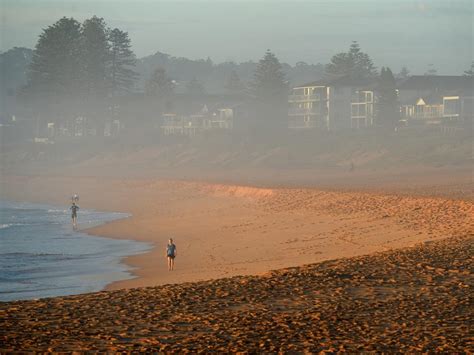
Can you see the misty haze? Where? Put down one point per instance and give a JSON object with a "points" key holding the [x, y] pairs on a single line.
{"points": [[257, 176]]}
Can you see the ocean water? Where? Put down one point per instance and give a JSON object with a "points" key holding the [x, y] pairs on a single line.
{"points": [[41, 256]]}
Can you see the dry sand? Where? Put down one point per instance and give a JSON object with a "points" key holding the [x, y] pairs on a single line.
{"points": [[227, 230], [417, 300]]}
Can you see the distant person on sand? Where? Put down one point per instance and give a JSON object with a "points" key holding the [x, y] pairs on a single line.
{"points": [[74, 209], [352, 167], [171, 253]]}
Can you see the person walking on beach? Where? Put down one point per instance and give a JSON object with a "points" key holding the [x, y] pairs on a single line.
{"points": [[74, 209], [171, 253]]}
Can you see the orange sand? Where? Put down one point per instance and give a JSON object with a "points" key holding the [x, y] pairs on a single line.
{"points": [[225, 230]]}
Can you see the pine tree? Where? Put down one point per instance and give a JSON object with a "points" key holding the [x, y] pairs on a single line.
{"points": [[354, 63], [95, 57], [55, 68], [388, 113], [270, 90], [404, 73], [269, 80], [234, 85], [159, 85], [54, 75], [122, 61]]}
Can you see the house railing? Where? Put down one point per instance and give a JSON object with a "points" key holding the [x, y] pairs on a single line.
{"points": [[302, 111], [301, 124], [304, 98]]}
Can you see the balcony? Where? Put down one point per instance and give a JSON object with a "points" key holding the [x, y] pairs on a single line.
{"points": [[296, 111], [302, 125], [301, 98]]}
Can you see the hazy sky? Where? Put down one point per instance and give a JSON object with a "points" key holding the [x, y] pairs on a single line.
{"points": [[415, 33]]}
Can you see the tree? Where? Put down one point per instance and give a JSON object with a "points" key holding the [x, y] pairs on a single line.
{"points": [[404, 73], [431, 70], [195, 88], [95, 56], [13, 67], [55, 67], [55, 72], [270, 90], [234, 85], [159, 85], [95, 60], [470, 72], [122, 60], [388, 113], [354, 63]]}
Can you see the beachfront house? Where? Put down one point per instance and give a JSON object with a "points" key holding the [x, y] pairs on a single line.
{"points": [[341, 103], [220, 118], [439, 99], [191, 124]]}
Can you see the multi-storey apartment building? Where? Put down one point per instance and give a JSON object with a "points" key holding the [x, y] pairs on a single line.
{"points": [[308, 106], [332, 104]]}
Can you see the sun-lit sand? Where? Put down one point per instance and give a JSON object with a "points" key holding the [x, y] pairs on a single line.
{"points": [[411, 299], [226, 230]]}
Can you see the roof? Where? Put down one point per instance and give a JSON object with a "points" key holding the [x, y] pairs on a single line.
{"points": [[439, 82], [433, 99], [345, 81]]}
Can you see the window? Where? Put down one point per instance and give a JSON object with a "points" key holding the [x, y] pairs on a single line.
{"points": [[359, 110], [451, 106], [368, 96]]}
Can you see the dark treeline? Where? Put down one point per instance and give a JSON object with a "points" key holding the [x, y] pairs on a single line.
{"points": [[218, 77], [86, 75], [77, 71]]}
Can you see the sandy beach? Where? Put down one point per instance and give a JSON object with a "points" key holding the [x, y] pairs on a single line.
{"points": [[310, 164], [412, 300], [224, 230], [353, 270]]}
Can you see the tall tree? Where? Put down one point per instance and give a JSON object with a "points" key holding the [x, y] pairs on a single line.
{"points": [[13, 67], [95, 56], [234, 85], [94, 61], [55, 72], [270, 90], [470, 72], [354, 63], [388, 112], [404, 73], [55, 67], [122, 62], [159, 85]]}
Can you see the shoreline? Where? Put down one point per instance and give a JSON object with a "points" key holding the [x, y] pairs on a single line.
{"points": [[224, 230], [71, 261]]}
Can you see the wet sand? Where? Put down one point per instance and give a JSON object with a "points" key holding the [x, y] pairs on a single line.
{"points": [[410, 300]]}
